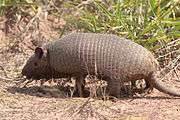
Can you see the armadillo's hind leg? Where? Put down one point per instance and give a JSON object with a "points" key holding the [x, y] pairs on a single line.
{"points": [[114, 88], [149, 82], [147, 85]]}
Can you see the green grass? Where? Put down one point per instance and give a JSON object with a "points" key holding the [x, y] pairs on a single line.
{"points": [[5, 3], [151, 23]]}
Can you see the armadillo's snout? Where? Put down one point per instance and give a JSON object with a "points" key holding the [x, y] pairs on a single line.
{"points": [[27, 72], [24, 71]]}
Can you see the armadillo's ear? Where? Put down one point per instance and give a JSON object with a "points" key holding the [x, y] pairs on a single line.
{"points": [[40, 52]]}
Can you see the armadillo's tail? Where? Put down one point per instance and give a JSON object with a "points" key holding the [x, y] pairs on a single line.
{"points": [[160, 86]]}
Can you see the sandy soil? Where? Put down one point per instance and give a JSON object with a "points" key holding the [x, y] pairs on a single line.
{"points": [[37, 103]]}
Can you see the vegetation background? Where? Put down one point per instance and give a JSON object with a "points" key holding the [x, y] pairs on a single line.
{"points": [[25, 24]]}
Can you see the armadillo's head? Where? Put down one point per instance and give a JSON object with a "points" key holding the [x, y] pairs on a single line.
{"points": [[37, 66]]}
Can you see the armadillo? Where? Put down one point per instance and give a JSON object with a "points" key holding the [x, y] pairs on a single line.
{"points": [[117, 60]]}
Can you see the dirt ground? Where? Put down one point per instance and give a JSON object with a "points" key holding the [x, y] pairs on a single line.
{"points": [[36, 103], [52, 103]]}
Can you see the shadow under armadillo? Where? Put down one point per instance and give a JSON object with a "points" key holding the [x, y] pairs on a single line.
{"points": [[64, 92], [42, 91]]}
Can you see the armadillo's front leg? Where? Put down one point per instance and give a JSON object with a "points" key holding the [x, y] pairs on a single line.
{"points": [[80, 83]]}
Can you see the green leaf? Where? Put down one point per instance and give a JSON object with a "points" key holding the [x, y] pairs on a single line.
{"points": [[153, 4], [177, 34], [127, 29], [147, 29], [95, 26], [77, 23], [104, 10], [153, 39], [176, 28], [146, 14], [101, 22], [118, 10], [90, 17], [48, 37], [132, 23], [157, 46], [84, 12], [171, 23], [22, 3], [61, 34], [165, 3]]}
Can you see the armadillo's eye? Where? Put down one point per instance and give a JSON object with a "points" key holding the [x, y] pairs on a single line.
{"points": [[35, 64]]}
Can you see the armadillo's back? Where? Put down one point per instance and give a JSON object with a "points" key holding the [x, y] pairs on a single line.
{"points": [[109, 55]]}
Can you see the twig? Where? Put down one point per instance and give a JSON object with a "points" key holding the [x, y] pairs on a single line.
{"points": [[172, 63], [21, 81], [169, 73], [6, 79], [3, 71], [79, 109]]}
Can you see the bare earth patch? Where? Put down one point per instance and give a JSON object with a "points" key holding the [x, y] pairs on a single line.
{"points": [[31, 103]]}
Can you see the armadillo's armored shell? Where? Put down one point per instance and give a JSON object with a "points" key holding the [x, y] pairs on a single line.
{"points": [[110, 55], [118, 60]]}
